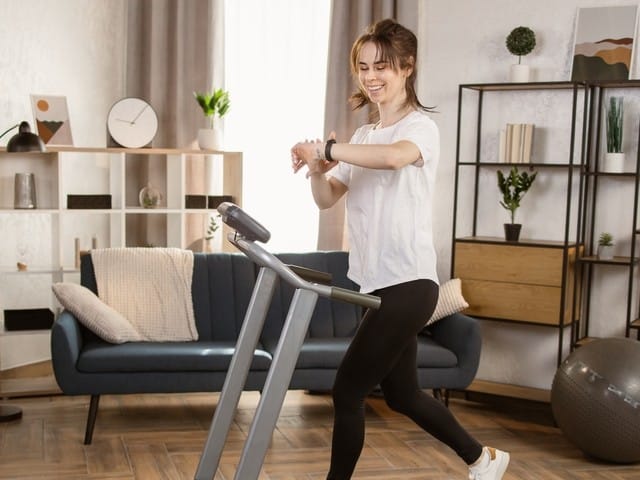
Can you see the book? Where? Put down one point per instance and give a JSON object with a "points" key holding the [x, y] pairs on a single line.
{"points": [[516, 143], [527, 142]]}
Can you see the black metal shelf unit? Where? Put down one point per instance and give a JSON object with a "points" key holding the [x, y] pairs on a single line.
{"points": [[594, 176], [574, 165]]}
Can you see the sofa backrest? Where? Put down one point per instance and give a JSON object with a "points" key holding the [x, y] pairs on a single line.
{"points": [[221, 289], [223, 283], [330, 318]]}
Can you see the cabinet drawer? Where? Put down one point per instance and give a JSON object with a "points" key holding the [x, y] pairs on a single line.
{"points": [[510, 263], [508, 301]]}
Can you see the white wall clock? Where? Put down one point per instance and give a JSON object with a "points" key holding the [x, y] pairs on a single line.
{"points": [[132, 123]]}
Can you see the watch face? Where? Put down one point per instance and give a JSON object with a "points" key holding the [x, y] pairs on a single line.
{"points": [[132, 122]]}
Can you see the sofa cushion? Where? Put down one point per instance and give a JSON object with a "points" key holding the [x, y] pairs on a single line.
{"points": [[433, 355], [94, 314], [214, 356], [328, 353], [450, 300]]}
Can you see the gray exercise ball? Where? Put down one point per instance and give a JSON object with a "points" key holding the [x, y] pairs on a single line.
{"points": [[595, 399]]}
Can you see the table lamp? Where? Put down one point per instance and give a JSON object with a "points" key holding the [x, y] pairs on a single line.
{"points": [[24, 140]]}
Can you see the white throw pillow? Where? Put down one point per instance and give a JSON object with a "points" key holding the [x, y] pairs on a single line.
{"points": [[450, 300], [94, 314]]}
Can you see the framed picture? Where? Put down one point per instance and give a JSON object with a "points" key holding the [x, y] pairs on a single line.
{"points": [[52, 119], [603, 47]]}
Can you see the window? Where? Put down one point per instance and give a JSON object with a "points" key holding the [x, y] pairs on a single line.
{"points": [[275, 71]]}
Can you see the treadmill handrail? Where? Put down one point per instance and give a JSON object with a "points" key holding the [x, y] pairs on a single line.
{"points": [[265, 259]]}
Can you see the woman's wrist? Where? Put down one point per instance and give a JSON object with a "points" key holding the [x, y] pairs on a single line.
{"points": [[327, 149]]}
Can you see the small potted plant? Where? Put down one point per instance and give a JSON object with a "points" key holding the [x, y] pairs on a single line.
{"points": [[605, 246], [614, 158], [212, 228], [521, 41], [213, 104], [513, 187]]}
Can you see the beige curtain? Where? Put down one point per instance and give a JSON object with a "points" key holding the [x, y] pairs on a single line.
{"points": [[174, 47], [348, 21]]}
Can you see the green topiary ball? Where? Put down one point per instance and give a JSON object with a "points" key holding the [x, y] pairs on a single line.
{"points": [[521, 41]]}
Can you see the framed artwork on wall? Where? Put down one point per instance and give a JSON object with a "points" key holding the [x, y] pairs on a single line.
{"points": [[604, 41], [52, 119]]}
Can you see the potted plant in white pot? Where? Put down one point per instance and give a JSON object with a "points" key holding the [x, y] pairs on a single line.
{"points": [[614, 158], [513, 187], [213, 104], [520, 41], [605, 246]]}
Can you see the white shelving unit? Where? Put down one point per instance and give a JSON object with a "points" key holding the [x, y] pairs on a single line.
{"points": [[44, 238]]}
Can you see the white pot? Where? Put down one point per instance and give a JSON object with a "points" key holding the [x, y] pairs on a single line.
{"points": [[605, 252], [519, 73], [210, 139], [613, 163]]}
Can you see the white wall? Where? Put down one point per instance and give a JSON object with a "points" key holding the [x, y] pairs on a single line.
{"points": [[463, 42], [67, 47]]}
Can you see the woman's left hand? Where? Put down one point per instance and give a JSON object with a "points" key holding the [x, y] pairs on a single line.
{"points": [[311, 154]]}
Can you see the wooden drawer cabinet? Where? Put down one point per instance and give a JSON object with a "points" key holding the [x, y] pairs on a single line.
{"points": [[520, 282]]}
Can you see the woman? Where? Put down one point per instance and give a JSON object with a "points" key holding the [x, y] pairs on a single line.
{"points": [[388, 173]]}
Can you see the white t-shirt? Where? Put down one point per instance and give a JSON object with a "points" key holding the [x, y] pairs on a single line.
{"points": [[389, 212]]}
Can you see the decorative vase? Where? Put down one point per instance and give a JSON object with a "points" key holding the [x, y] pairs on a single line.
{"points": [[512, 232], [210, 139], [605, 252], [613, 162], [519, 73], [150, 197], [24, 191]]}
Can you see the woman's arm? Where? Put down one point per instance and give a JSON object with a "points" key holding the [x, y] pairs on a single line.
{"points": [[387, 157], [326, 190]]}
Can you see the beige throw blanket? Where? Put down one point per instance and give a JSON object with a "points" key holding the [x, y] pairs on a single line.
{"points": [[150, 287]]}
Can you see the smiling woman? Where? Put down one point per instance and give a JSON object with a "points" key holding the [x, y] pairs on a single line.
{"points": [[276, 58]]}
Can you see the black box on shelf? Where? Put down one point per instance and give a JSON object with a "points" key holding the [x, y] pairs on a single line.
{"points": [[195, 201], [214, 200], [28, 319], [88, 201]]}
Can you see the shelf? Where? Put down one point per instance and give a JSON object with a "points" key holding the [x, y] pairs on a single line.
{"points": [[496, 87], [142, 151], [521, 242], [611, 174], [13, 333], [622, 261], [635, 324], [512, 391], [585, 340], [567, 323], [523, 165], [37, 270]]}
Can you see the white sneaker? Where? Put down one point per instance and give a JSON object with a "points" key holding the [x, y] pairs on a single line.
{"points": [[491, 465]]}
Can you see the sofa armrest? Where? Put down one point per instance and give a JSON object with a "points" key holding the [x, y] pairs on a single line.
{"points": [[460, 334], [66, 345]]}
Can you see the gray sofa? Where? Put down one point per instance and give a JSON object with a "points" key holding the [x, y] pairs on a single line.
{"points": [[84, 364]]}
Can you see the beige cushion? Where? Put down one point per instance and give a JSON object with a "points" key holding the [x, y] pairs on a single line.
{"points": [[94, 314], [450, 300]]}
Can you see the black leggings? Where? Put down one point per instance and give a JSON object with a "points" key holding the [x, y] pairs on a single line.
{"points": [[383, 352]]}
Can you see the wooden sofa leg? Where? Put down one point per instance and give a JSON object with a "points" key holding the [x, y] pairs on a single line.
{"points": [[91, 419]]}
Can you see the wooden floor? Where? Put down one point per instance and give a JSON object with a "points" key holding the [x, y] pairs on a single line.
{"points": [[150, 437]]}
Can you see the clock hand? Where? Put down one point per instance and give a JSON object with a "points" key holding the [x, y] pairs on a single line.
{"points": [[138, 116]]}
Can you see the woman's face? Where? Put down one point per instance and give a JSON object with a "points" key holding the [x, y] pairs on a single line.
{"points": [[379, 80]]}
